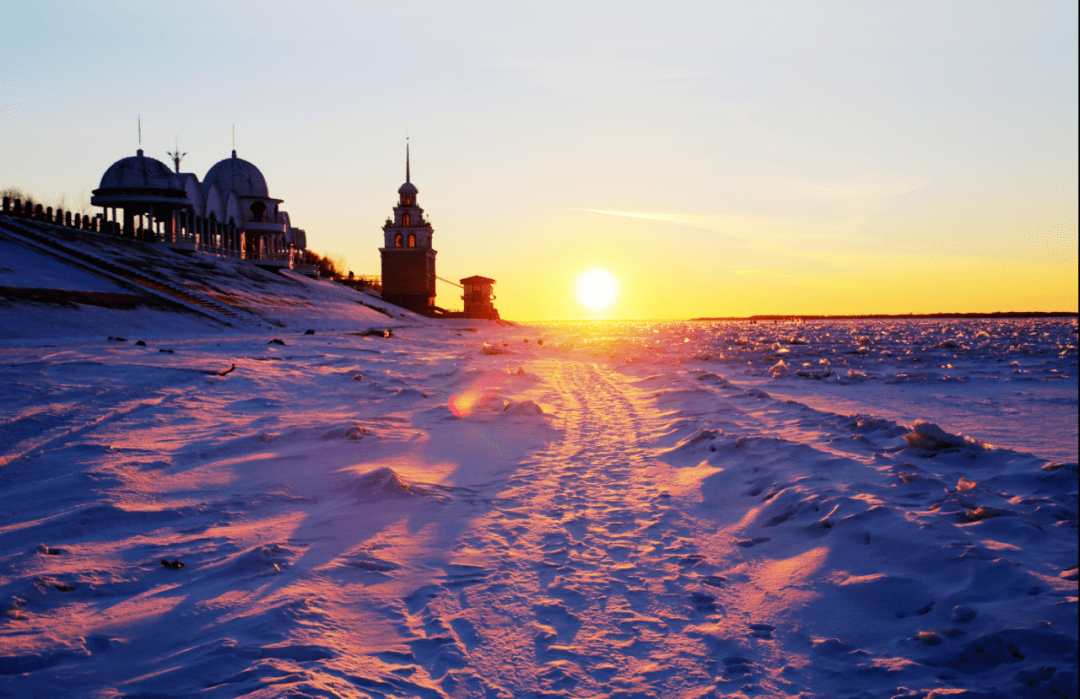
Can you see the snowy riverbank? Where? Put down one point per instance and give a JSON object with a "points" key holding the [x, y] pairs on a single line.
{"points": [[462, 511]]}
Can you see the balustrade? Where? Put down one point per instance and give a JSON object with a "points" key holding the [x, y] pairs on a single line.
{"points": [[181, 227]]}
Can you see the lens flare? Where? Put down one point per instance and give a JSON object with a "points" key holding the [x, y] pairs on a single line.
{"points": [[462, 404], [597, 289]]}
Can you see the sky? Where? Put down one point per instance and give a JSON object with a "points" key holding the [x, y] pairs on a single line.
{"points": [[718, 158]]}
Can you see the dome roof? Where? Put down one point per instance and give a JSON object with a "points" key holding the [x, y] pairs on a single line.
{"points": [[139, 172], [407, 188], [237, 175]]}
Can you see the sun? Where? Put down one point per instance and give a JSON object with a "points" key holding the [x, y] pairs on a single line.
{"points": [[597, 289]]}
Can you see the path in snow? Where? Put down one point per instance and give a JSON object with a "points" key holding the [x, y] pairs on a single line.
{"points": [[592, 550], [587, 576]]}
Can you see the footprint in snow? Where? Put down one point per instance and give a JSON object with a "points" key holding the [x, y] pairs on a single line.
{"points": [[372, 564], [559, 617], [762, 631], [460, 574], [737, 666], [703, 602], [466, 632], [691, 560]]}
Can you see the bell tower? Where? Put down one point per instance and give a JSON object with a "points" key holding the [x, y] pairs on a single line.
{"points": [[408, 260]]}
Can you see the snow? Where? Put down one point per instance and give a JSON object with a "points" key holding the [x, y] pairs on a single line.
{"points": [[22, 267], [454, 509]]}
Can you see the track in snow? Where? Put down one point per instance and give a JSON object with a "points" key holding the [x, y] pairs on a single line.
{"points": [[587, 563]]}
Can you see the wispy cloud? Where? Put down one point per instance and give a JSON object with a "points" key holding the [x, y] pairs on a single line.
{"points": [[711, 223]]}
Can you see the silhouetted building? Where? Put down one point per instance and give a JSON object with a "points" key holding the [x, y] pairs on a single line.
{"points": [[145, 189], [479, 300], [230, 213], [408, 260], [242, 197]]}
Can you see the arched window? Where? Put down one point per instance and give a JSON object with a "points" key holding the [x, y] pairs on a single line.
{"points": [[412, 240], [257, 210], [397, 240], [408, 220]]}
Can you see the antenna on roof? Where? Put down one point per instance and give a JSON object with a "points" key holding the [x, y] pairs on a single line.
{"points": [[407, 178], [234, 140], [140, 129], [176, 155]]}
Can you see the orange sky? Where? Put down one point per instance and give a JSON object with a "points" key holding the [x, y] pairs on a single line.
{"points": [[719, 158]]}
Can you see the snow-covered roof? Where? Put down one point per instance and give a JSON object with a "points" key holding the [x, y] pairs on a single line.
{"points": [[237, 175], [140, 172]]}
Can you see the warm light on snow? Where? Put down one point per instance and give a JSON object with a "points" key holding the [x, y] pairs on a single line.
{"points": [[462, 404], [469, 508], [597, 289]]}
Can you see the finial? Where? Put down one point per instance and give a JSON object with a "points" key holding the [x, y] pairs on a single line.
{"points": [[234, 152], [407, 177], [176, 155]]}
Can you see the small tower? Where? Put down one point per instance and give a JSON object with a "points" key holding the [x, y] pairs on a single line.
{"points": [[478, 298], [408, 260]]}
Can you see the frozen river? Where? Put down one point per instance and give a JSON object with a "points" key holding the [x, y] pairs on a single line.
{"points": [[1011, 383], [568, 510]]}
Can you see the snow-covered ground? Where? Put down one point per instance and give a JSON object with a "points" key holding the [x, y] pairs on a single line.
{"points": [[575, 510]]}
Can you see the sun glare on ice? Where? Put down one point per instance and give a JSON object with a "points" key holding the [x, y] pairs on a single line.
{"points": [[597, 289]]}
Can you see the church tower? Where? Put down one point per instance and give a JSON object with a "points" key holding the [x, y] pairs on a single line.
{"points": [[408, 260]]}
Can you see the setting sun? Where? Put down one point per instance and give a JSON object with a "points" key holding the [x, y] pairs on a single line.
{"points": [[597, 289]]}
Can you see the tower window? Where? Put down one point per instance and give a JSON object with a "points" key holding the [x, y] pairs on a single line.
{"points": [[408, 220], [412, 240], [397, 240]]}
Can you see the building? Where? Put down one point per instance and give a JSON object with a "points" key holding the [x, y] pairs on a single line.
{"points": [[242, 197], [146, 191], [408, 260], [229, 213], [479, 301]]}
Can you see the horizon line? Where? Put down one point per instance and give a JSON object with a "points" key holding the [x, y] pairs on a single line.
{"points": [[811, 316]]}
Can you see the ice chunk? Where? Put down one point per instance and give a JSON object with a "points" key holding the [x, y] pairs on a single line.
{"points": [[382, 484], [929, 437], [525, 407]]}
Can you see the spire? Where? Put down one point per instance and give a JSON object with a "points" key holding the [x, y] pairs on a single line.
{"points": [[407, 179], [176, 155]]}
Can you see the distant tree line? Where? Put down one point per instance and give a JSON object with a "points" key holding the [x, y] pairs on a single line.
{"points": [[330, 265]]}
